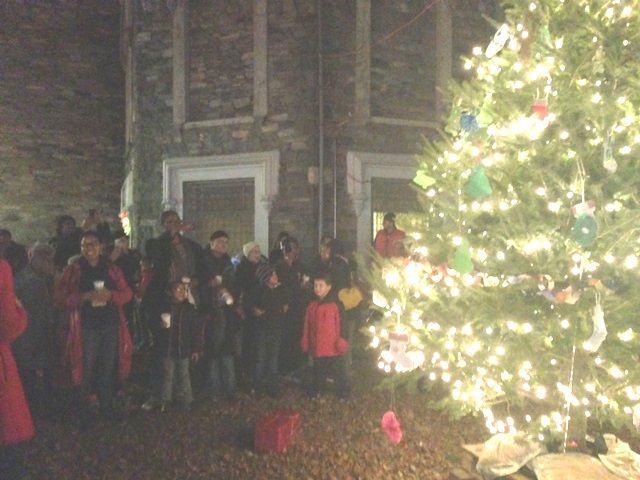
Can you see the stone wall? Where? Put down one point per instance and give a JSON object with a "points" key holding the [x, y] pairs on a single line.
{"points": [[220, 66], [61, 113]]}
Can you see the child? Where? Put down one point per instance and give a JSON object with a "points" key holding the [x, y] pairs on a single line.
{"points": [[222, 339], [323, 340], [269, 303], [180, 340]]}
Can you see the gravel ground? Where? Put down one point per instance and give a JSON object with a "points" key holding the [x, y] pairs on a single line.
{"points": [[337, 440]]}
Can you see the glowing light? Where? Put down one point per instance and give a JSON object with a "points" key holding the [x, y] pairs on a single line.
{"points": [[631, 262], [627, 335], [541, 392], [615, 372]]}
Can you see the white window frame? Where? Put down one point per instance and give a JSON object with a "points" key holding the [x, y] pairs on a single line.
{"points": [[262, 167], [361, 168]]}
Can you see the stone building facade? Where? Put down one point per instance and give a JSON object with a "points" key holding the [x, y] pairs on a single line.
{"points": [[61, 113], [258, 116]]}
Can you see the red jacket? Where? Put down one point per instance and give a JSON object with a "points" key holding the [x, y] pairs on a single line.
{"points": [[16, 424], [389, 244], [321, 329], [67, 296]]}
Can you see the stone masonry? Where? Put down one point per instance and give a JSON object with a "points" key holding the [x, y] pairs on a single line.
{"points": [[61, 113]]}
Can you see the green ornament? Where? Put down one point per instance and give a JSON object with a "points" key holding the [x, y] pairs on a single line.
{"points": [[585, 230], [423, 180], [461, 262], [486, 114], [545, 36], [478, 185]]}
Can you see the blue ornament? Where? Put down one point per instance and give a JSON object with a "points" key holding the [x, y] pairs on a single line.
{"points": [[468, 123]]}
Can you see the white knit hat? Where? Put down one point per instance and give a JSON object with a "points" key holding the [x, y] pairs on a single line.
{"points": [[247, 247]]}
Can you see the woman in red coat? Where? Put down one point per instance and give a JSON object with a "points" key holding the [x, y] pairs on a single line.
{"points": [[15, 420], [98, 348]]}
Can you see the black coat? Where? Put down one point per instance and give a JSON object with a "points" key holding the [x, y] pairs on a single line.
{"points": [[159, 251], [184, 336]]}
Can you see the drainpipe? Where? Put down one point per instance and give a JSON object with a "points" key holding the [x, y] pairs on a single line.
{"points": [[320, 126], [334, 153]]}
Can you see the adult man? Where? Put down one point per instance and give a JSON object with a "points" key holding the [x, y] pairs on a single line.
{"points": [[66, 242], [388, 241], [33, 349], [173, 257], [222, 327]]}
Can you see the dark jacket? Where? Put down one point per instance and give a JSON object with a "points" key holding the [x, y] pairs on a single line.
{"points": [[272, 301], [159, 251], [222, 322], [184, 336], [246, 279], [32, 348], [65, 247]]}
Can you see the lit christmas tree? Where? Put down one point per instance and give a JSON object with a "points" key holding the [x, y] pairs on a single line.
{"points": [[522, 288]]}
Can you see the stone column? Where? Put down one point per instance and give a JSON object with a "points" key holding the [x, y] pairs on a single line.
{"points": [[444, 53], [260, 49], [363, 61], [180, 64]]}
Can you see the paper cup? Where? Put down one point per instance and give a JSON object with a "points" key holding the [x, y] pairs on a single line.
{"points": [[98, 284], [166, 320], [227, 298]]}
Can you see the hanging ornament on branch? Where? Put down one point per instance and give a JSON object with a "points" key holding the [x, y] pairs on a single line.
{"points": [[391, 426], [599, 329], [500, 39], [462, 262], [398, 351], [585, 228], [468, 123], [608, 162], [541, 108], [478, 185], [423, 180]]}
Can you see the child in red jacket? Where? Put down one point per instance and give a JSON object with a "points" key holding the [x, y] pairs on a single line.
{"points": [[323, 340]]}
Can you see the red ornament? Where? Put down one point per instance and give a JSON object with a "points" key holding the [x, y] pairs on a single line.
{"points": [[540, 108], [391, 426]]}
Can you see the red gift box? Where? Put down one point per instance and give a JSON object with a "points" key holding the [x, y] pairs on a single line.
{"points": [[274, 432]]}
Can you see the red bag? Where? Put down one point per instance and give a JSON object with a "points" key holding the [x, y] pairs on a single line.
{"points": [[274, 432]]}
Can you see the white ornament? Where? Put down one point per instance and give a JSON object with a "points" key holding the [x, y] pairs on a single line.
{"points": [[636, 416], [398, 350], [599, 330], [500, 39], [378, 299], [610, 165]]}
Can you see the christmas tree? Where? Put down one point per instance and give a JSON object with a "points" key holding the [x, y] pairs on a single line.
{"points": [[521, 288]]}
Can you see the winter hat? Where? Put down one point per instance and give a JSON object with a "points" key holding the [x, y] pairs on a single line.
{"points": [[247, 247], [264, 272]]}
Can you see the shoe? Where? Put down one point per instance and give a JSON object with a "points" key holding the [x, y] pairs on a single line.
{"points": [[148, 405]]}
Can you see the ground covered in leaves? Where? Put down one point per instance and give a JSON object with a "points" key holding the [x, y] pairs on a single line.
{"points": [[337, 440]]}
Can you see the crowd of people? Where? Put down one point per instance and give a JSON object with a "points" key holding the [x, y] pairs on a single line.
{"points": [[81, 311]]}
